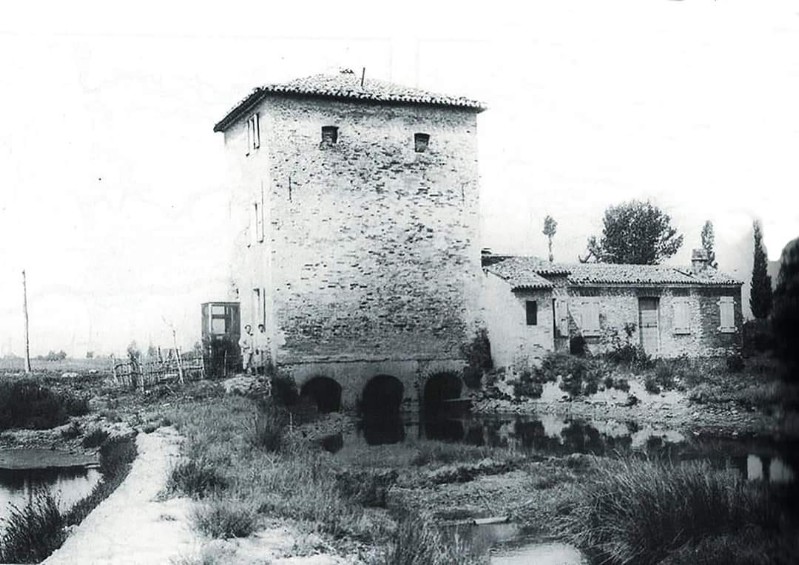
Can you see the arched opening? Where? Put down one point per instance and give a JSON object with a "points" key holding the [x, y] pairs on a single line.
{"points": [[323, 392], [439, 390], [382, 395], [380, 408]]}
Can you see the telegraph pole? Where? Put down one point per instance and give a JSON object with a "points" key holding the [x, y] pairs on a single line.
{"points": [[25, 308]]}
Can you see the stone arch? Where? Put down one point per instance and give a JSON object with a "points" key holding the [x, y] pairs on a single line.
{"points": [[324, 392], [382, 394], [440, 387]]}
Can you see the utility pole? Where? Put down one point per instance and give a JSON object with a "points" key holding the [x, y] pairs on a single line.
{"points": [[25, 308]]}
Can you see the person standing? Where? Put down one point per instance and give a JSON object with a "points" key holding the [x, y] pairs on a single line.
{"points": [[246, 346], [261, 346]]}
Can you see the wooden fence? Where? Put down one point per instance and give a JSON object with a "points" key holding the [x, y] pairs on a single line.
{"points": [[173, 367]]}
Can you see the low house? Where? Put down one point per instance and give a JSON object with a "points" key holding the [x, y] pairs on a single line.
{"points": [[533, 306]]}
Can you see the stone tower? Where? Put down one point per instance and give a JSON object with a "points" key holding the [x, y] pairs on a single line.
{"points": [[356, 210]]}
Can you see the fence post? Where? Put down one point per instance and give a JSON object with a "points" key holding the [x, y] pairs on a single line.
{"points": [[180, 365], [114, 368]]}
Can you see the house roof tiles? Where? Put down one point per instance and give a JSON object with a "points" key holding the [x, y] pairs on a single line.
{"points": [[347, 86], [587, 274]]}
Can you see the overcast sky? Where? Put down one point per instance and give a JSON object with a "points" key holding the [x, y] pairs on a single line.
{"points": [[112, 182]]}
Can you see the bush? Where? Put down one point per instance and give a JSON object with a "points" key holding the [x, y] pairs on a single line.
{"points": [[735, 363], [478, 358], [580, 375], [664, 375], [651, 384], [33, 532], [197, 478], [367, 488], [271, 423], [284, 390], [577, 346], [95, 438], [526, 387], [635, 511], [758, 337], [225, 519], [26, 403]]}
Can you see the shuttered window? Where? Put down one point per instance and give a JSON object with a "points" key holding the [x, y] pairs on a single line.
{"points": [[682, 316], [590, 317], [532, 312], [253, 133], [727, 314], [562, 317]]}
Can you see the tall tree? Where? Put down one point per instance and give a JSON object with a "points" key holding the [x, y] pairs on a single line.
{"points": [[761, 298], [785, 318], [708, 243], [634, 232], [550, 229]]}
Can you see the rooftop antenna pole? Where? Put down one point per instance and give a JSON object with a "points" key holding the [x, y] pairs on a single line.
{"points": [[363, 75], [25, 308]]}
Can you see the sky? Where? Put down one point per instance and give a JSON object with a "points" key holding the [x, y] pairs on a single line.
{"points": [[113, 192]]}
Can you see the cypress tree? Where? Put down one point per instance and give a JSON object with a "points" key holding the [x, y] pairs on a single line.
{"points": [[761, 298]]}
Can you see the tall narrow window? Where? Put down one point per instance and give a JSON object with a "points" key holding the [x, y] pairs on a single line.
{"points": [[253, 133], [258, 222], [420, 142], [258, 308], [329, 135], [727, 314], [532, 312]]}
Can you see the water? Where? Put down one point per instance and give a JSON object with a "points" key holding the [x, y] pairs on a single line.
{"points": [[755, 458], [68, 484]]}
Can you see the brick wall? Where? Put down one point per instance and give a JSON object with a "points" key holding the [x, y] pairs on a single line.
{"points": [[370, 249]]}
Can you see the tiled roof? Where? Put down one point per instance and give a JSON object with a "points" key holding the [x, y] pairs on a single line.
{"points": [[348, 86], [608, 273], [516, 272]]}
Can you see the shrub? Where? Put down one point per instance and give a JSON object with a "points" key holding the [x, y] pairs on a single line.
{"points": [[526, 387], [580, 375], [271, 422], [478, 358], [367, 488], [651, 384], [197, 478], [95, 438], [664, 375], [73, 431], [622, 385], [757, 336], [735, 363], [33, 532], [224, 519], [26, 403], [636, 511], [577, 346], [284, 389]]}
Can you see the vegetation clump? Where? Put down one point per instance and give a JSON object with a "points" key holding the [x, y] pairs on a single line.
{"points": [[196, 477], [635, 511], [224, 519], [33, 532], [27, 403], [478, 358]]}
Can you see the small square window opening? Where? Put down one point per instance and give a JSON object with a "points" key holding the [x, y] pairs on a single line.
{"points": [[420, 142], [329, 135]]}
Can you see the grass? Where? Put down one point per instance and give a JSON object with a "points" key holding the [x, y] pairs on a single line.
{"points": [[418, 541], [28, 403], [636, 511], [33, 532], [95, 438], [197, 478], [224, 519]]}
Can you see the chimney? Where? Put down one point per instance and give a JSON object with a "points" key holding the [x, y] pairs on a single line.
{"points": [[699, 261]]}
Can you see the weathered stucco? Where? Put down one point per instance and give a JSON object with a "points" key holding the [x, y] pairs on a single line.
{"points": [[370, 261]]}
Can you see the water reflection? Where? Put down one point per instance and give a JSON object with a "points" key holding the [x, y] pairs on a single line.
{"points": [[754, 458], [68, 485]]}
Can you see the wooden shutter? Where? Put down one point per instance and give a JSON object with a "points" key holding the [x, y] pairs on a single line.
{"points": [[681, 316], [562, 316], [590, 317], [727, 314], [256, 124]]}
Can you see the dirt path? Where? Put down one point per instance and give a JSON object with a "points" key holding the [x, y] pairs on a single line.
{"points": [[131, 526]]}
